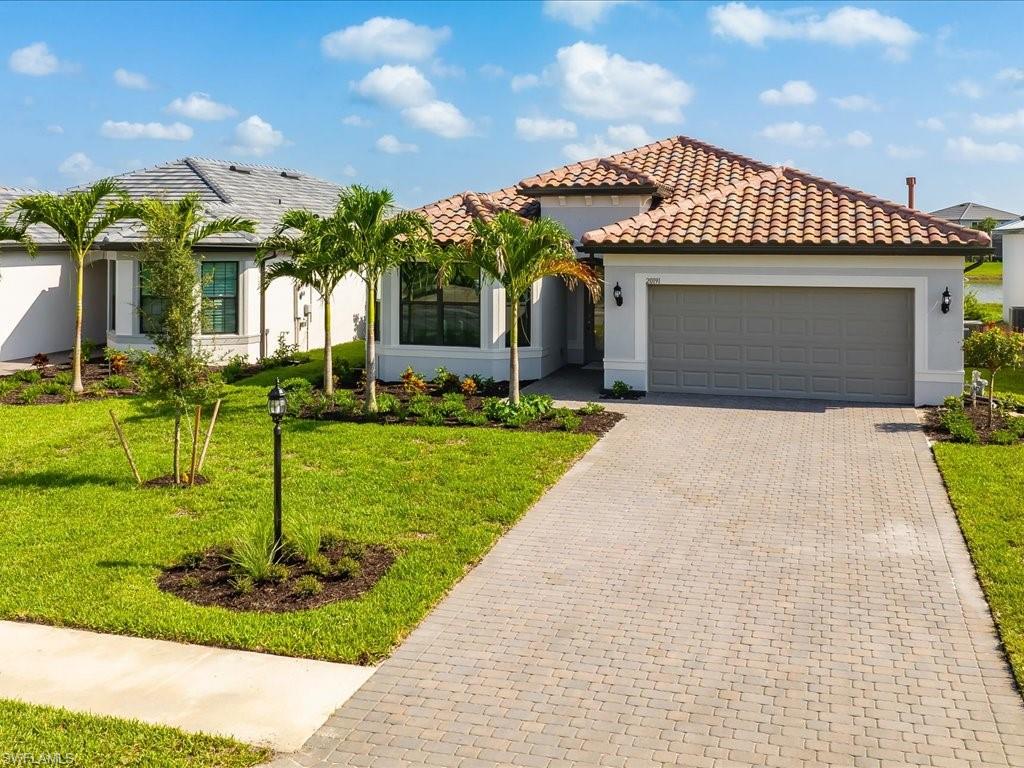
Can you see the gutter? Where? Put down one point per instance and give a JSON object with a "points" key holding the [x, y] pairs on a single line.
{"points": [[796, 250]]}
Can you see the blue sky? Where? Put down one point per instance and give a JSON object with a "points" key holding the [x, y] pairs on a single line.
{"points": [[433, 98]]}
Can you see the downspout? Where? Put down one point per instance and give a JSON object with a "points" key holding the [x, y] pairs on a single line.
{"points": [[263, 312]]}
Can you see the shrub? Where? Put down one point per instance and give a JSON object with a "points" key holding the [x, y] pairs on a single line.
{"points": [[88, 350], [537, 406], [972, 306], [243, 585], [486, 385], [347, 374], [307, 586], [116, 361], [63, 378], [954, 403], [319, 564], [1015, 424], [53, 388], [252, 555], [235, 368], [296, 384], [117, 381], [28, 376], [388, 403], [530, 408], [452, 405], [7, 384], [345, 401], [347, 567], [590, 409], [620, 389], [284, 354], [432, 418], [472, 419], [569, 421], [419, 405], [40, 360], [412, 382], [1003, 437], [31, 394], [468, 386], [1011, 402], [190, 560], [959, 426], [191, 582], [446, 381]]}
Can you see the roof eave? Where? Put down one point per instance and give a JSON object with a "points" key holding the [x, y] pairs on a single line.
{"points": [[792, 248], [633, 189]]}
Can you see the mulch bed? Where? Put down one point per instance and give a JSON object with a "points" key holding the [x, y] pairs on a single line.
{"points": [[978, 414], [210, 581], [93, 373], [166, 481]]}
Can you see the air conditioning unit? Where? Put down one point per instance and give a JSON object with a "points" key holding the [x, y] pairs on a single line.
{"points": [[1017, 318]]}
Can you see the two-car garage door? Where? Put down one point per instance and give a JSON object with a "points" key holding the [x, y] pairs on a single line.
{"points": [[824, 343]]}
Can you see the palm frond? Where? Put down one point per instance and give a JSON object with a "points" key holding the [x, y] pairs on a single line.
{"points": [[222, 226], [18, 235]]}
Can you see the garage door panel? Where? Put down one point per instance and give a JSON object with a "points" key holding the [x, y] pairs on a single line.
{"points": [[835, 343]]}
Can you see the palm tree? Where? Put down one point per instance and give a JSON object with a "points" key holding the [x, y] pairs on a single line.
{"points": [[18, 235], [78, 218], [516, 253], [186, 219], [379, 237], [317, 256]]}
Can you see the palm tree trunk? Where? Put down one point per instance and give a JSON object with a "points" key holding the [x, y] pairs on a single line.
{"points": [[177, 447], [328, 350], [513, 356], [76, 352], [371, 347]]}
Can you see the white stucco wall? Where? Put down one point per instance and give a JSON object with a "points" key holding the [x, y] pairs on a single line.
{"points": [[938, 366], [1013, 271]]}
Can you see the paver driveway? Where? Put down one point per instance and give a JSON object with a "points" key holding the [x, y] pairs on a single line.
{"points": [[717, 583]]}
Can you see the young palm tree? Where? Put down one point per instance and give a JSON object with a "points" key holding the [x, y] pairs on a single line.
{"points": [[18, 235], [317, 256], [379, 237], [186, 219], [78, 218], [516, 252]]}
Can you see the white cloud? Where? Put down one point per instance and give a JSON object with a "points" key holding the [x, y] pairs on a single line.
{"points": [[607, 86], [132, 80], [399, 85], [795, 133], [616, 139], [1000, 152], [932, 124], [439, 68], [36, 60], [966, 88], [355, 121], [999, 123], [441, 118], [792, 92], [349, 171], [390, 145], [167, 132], [903, 152], [404, 87], [255, 136], [78, 166], [582, 14], [523, 82], [859, 139], [199, 106], [846, 26], [56, 130], [383, 37], [1013, 75], [492, 71], [540, 128], [856, 103]]}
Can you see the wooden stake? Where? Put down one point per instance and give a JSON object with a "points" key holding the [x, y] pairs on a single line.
{"points": [[209, 434], [127, 451], [195, 447]]}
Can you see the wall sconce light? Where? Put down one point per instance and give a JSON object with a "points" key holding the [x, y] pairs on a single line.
{"points": [[946, 301], [617, 294]]}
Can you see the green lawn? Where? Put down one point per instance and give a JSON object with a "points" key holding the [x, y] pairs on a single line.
{"points": [[986, 485], [987, 271], [83, 547], [32, 735], [1010, 380]]}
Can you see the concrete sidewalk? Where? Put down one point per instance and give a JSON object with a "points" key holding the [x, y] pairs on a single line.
{"points": [[271, 701]]}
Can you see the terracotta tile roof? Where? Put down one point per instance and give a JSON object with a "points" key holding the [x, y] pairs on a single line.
{"points": [[783, 206], [708, 196]]}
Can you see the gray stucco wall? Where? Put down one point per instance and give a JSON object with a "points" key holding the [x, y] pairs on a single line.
{"points": [[938, 353]]}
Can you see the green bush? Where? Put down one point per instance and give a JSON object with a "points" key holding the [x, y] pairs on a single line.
{"points": [[319, 564], [1015, 425], [8, 384], [53, 388], [345, 401], [304, 537], [1003, 437], [349, 375], [432, 418], [473, 419], [235, 368], [972, 306], [116, 381], [388, 404], [1011, 402], [307, 586], [88, 350], [568, 421], [954, 403], [296, 384], [64, 378], [31, 394], [284, 354], [243, 585], [190, 560], [959, 426], [452, 405], [28, 376], [419, 405], [620, 389], [347, 567], [591, 409], [252, 555], [446, 381]]}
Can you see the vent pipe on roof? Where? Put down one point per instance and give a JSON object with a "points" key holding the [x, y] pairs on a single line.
{"points": [[911, 183]]}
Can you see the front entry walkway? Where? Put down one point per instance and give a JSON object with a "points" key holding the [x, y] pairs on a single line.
{"points": [[718, 583]]}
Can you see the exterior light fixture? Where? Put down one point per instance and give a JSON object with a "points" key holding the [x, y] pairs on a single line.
{"points": [[277, 405], [617, 294], [946, 300]]}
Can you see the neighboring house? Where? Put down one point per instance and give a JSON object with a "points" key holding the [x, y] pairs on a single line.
{"points": [[973, 214], [1012, 235], [36, 295], [735, 278]]}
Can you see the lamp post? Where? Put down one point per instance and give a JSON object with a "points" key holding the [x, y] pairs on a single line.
{"points": [[277, 405]]}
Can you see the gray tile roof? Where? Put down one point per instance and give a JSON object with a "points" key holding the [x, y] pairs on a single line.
{"points": [[259, 192], [973, 212]]}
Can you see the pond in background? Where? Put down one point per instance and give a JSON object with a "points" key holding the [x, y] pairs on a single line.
{"points": [[987, 292]]}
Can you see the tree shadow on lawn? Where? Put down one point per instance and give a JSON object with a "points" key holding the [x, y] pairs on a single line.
{"points": [[52, 479]]}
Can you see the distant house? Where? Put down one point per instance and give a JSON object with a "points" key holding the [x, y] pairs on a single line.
{"points": [[972, 214], [36, 294]]}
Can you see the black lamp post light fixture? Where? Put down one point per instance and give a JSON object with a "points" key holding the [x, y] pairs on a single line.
{"points": [[947, 301], [277, 405], [617, 294]]}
